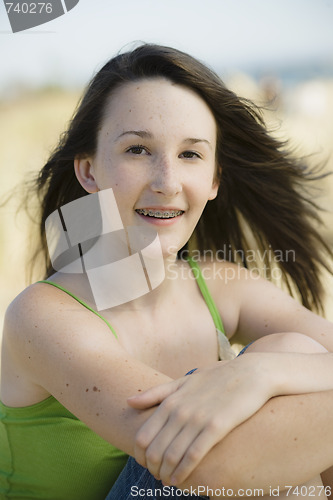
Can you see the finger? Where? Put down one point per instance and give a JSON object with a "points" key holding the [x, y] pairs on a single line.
{"points": [[169, 446], [211, 434], [147, 433], [175, 452], [153, 396], [155, 453], [192, 457], [178, 417]]}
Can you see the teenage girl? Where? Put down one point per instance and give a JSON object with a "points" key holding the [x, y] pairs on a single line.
{"points": [[186, 157]]}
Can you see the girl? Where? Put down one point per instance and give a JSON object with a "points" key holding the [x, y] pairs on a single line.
{"points": [[184, 157]]}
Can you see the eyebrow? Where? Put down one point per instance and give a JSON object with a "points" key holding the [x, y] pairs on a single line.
{"points": [[144, 134], [194, 140], [141, 133]]}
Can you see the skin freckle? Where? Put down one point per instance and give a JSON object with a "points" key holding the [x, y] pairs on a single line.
{"points": [[87, 390], [67, 385], [97, 414], [295, 439]]}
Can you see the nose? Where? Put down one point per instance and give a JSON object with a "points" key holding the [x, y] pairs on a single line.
{"points": [[166, 177]]}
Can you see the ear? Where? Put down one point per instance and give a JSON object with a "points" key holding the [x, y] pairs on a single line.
{"points": [[214, 190], [84, 172]]}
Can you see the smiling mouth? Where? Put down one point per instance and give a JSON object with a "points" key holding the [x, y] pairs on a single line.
{"points": [[160, 214]]}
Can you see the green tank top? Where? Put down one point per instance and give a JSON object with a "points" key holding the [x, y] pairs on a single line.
{"points": [[47, 453]]}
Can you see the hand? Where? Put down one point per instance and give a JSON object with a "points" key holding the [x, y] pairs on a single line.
{"points": [[196, 412]]}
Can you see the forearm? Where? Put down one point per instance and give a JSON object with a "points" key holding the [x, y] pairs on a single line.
{"points": [[306, 373], [278, 446], [294, 363], [230, 394]]}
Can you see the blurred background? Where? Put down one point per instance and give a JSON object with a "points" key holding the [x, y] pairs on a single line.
{"points": [[277, 52]]}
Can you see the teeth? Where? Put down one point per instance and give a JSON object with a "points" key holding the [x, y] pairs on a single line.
{"points": [[165, 214]]}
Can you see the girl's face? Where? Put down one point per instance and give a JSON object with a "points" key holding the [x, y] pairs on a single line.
{"points": [[156, 149]]}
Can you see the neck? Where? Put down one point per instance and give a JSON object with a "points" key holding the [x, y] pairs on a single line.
{"points": [[136, 292], [156, 295]]}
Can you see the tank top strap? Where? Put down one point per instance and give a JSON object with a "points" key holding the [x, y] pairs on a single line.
{"points": [[206, 294], [80, 301]]}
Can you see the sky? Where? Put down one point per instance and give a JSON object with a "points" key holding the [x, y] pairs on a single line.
{"points": [[228, 35]]}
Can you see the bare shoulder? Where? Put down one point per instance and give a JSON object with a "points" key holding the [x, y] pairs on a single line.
{"points": [[261, 306], [233, 280], [42, 310], [26, 312], [39, 319], [62, 349]]}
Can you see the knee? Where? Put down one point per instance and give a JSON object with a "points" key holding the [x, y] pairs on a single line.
{"points": [[286, 342]]}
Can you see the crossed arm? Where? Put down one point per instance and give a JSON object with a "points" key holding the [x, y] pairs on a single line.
{"points": [[253, 454], [271, 439], [275, 446]]}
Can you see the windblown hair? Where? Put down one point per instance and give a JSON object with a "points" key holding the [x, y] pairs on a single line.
{"points": [[262, 188]]}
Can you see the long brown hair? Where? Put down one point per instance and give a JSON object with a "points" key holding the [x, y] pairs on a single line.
{"points": [[261, 185]]}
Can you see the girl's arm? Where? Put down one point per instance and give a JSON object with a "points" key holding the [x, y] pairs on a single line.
{"points": [[53, 346], [197, 412], [287, 442], [61, 349], [263, 309]]}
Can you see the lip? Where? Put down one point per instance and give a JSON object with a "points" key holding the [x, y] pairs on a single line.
{"points": [[160, 222]]}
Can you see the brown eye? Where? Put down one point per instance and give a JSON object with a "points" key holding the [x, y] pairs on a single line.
{"points": [[137, 150], [189, 155]]}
